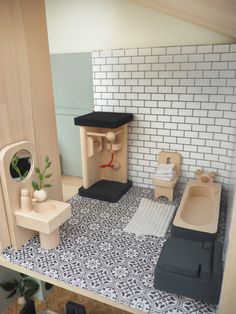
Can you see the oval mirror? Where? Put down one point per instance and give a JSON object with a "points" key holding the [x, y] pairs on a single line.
{"points": [[20, 165]]}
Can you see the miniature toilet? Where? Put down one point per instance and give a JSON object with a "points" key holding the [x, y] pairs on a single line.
{"points": [[167, 188]]}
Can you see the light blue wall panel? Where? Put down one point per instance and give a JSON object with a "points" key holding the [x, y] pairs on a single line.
{"points": [[69, 143], [73, 95]]}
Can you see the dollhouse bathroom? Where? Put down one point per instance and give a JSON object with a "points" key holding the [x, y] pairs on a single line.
{"points": [[148, 123]]}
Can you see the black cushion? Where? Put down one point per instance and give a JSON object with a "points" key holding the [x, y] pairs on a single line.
{"points": [[100, 119], [181, 256], [173, 273], [104, 190]]}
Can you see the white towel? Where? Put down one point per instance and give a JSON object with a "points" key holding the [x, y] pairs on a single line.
{"points": [[165, 168], [166, 177]]}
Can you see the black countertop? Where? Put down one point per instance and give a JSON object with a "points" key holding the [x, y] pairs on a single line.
{"points": [[104, 119]]}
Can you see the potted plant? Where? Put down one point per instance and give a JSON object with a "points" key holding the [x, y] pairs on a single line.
{"points": [[39, 193], [25, 285]]}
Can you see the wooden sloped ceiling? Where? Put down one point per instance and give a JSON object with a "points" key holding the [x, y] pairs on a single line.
{"points": [[216, 15]]}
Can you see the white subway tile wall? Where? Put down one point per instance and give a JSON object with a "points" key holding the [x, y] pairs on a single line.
{"points": [[183, 99]]}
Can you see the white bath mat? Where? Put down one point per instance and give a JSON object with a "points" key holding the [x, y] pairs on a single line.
{"points": [[151, 218]]}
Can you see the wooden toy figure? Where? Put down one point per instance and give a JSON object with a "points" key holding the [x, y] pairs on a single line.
{"points": [[25, 200]]}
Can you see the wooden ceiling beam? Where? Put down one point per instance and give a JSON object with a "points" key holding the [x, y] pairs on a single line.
{"points": [[216, 15]]}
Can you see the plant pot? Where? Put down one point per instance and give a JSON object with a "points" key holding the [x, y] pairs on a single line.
{"points": [[40, 195], [21, 301]]}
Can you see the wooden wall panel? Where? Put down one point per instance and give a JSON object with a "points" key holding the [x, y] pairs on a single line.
{"points": [[227, 300], [26, 97], [34, 18], [16, 70], [5, 240], [4, 135], [217, 15]]}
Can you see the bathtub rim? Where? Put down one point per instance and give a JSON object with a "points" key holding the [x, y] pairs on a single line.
{"points": [[212, 226]]}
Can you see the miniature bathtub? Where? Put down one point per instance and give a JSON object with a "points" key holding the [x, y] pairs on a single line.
{"points": [[198, 214]]}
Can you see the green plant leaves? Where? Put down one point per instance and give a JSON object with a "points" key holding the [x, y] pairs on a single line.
{"points": [[7, 286], [11, 294], [21, 288], [30, 292], [26, 285], [37, 170], [10, 286], [47, 185], [23, 275], [30, 283], [42, 175], [48, 164], [25, 174], [30, 287], [14, 163], [35, 185]]}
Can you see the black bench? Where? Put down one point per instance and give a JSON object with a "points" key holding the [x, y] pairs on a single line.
{"points": [[189, 268]]}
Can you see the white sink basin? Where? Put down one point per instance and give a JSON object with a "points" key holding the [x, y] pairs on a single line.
{"points": [[44, 207], [45, 217]]}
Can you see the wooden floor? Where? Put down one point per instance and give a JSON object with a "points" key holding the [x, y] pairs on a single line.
{"points": [[57, 299], [70, 186]]}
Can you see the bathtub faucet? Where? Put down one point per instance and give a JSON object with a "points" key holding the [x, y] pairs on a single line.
{"points": [[205, 177]]}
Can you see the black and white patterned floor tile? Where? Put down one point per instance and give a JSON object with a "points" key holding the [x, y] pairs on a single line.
{"points": [[95, 254]]}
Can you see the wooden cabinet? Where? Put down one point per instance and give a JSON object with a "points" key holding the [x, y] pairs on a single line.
{"points": [[26, 97]]}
